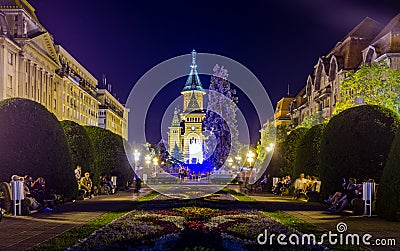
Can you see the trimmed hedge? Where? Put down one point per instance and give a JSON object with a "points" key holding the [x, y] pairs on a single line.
{"points": [[307, 156], [356, 144], [81, 148], [32, 142], [290, 147], [388, 197], [109, 154]]}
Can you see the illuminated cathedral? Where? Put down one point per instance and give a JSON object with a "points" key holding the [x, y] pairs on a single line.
{"points": [[185, 136]]}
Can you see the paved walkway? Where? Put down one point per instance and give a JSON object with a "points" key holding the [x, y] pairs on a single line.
{"points": [[24, 232], [318, 215]]}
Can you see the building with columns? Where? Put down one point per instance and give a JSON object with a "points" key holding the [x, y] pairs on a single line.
{"points": [[32, 66], [186, 131], [368, 42]]}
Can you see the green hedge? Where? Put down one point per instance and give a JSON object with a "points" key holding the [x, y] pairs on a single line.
{"points": [[307, 156], [81, 148], [388, 197], [355, 144], [290, 147], [109, 154], [32, 142]]}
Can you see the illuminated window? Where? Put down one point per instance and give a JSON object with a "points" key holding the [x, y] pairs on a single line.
{"points": [[10, 58]]}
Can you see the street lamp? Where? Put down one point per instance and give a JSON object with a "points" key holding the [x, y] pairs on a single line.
{"points": [[136, 154], [270, 147], [250, 157], [155, 163], [148, 160]]}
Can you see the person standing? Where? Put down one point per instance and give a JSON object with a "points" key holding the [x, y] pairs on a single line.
{"points": [[78, 173]]}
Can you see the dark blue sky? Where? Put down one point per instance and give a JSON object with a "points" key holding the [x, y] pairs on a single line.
{"points": [[279, 41]]}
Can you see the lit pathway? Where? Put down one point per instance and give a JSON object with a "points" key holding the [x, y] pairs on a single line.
{"points": [[24, 232], [317, 214]]}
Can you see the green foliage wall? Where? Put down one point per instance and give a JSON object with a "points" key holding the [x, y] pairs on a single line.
{"points": [[388, 197], [32, 142], [290, 147], [82, 151], [307, 156], [356, 144], [109, 154]]}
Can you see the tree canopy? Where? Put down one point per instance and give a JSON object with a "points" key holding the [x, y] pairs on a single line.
{"points": [[32, 142], [373, 84]]}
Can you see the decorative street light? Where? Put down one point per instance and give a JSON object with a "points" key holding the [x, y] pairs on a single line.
{"points": [[250, 157], [270, 147], [230, 161], [148, 160], [136, 154], [155, 163]]}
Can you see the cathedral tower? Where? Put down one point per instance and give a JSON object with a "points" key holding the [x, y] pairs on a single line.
{"points": [[188, 134]]}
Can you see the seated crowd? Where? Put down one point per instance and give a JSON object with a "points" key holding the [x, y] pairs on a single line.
{"points": [[304, 185], [85, 184], [342, 199], [35, 192], [283, 183]]}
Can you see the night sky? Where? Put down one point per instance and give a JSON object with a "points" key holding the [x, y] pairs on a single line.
{"points": [[279, 41]]}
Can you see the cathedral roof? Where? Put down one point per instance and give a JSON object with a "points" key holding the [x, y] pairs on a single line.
{"points": [[193, 104], [19, 4], [193, 82], [392, 27]]}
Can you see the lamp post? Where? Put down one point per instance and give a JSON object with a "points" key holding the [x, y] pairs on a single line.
{"points": [[270, 147], [136, 154], [250, 157], [155, 163], [148, 160]]}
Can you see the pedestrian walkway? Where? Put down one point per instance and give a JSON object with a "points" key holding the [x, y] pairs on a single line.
{"points": [[318, 215], [24, 232]]}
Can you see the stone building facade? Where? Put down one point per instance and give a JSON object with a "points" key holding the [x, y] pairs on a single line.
{"points": [[368, 42], [32, 66]]}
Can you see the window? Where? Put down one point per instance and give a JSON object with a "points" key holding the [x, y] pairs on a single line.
{"points": [[9, 81], [10, 58]]}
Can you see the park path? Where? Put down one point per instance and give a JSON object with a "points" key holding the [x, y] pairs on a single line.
{"points": [[24, 232], [318, 215]]}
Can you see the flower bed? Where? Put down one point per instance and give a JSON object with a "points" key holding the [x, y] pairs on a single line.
{"points": [[181, 227]]}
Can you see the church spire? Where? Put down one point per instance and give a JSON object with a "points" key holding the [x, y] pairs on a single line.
{"points": [[193, 81]]}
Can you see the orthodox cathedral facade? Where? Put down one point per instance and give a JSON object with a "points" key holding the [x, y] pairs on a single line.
{"points": [[185, 136]]}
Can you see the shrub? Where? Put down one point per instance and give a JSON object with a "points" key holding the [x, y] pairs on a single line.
{"points": [[307, 156], [290, 147], [109, 154], [32, 142], [388, 197], [81, 148], [356, 144]]}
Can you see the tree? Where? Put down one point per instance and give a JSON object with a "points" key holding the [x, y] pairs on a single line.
{"points": [[373, 84], [220, 117], [109, 154], [32, 142], [290, 146], [388, 197], [176, 153], [307, 156], [355, 144], [268, 136], [81, 148]]}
